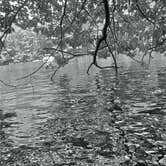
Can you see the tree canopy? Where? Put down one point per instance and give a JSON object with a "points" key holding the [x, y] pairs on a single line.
{"points": [[108, 27]]}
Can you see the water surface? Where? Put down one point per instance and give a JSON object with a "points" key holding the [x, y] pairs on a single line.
{"points": [[76, 105]]}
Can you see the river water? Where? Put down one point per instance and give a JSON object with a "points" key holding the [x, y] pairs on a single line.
{"points": [[75, 104]]}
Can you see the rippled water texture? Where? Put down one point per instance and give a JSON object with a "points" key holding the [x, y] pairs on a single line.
{"points": [[84, 119]]}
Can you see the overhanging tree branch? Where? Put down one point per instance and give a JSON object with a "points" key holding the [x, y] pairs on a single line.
{"points": [[104, 35]]}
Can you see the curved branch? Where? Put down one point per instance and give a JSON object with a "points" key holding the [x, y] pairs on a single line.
{"points": [[53, 74], [6, 84], [113, 57], [26, 76]]}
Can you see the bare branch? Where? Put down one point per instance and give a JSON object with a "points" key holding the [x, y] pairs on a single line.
{"points": [[142, 13], [6, 84], [53, 74], [61, 22], [113, 57], [42, 65], [26, 76], [67, 52], [5, 33]]}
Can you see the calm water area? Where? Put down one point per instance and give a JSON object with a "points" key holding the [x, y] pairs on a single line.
{"points": [[77, 104]]}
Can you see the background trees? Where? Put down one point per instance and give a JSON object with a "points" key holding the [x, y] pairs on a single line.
{"points": [[107, 27]]}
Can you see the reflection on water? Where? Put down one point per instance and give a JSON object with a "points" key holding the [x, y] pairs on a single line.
{"points": [[76, 102]]}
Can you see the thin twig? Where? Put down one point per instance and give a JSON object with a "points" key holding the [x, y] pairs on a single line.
{"points": [[61, 24], [142, 13], [6, 84], [5, 33], [35, 71], [53, 74], [26, 76], [73, 54], [113, 57]]}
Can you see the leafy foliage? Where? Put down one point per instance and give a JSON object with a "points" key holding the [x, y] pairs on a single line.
{"points": [[134, 24], [25, 45]]}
